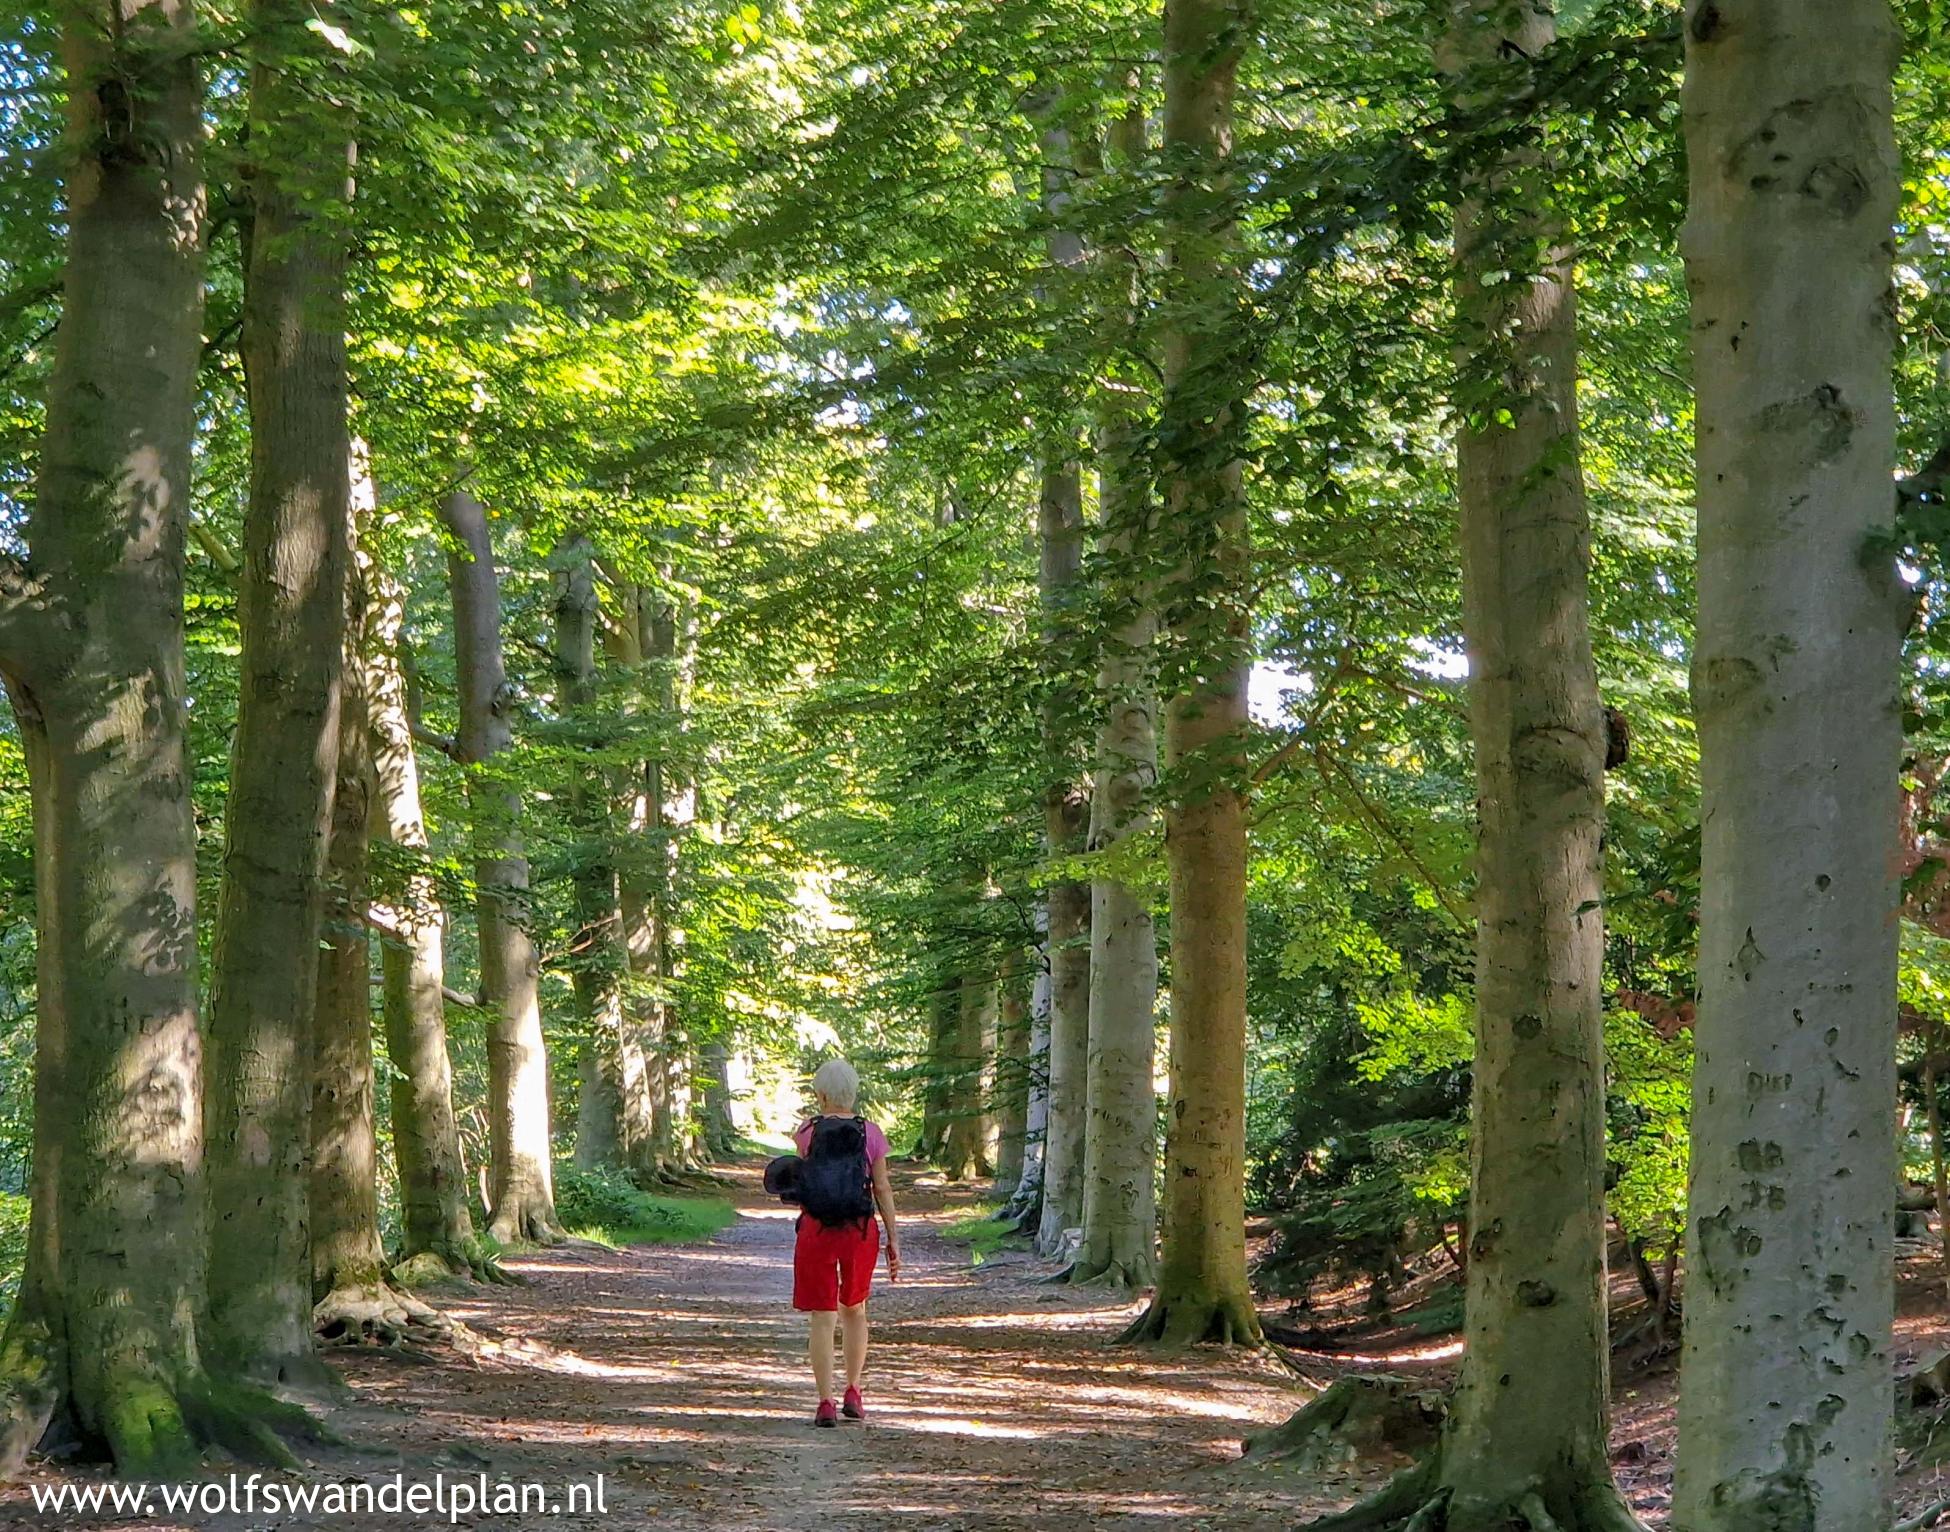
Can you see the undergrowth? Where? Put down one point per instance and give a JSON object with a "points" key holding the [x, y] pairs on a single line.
{"points": [[983, 1233], [610, 1209]]}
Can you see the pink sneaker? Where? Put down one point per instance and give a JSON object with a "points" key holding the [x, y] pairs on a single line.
{"points": [[826, 1415], [851, 1406]]}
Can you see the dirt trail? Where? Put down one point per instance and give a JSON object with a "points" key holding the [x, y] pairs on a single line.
{"points": [[678, 1373]]}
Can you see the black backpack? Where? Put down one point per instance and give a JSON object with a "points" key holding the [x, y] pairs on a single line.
{"points": [[833, 1180]]}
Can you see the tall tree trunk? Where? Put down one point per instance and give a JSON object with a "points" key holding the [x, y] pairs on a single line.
{"points": [[659, 806], [32, 1361], [353, 1298], [1065, 815], [1121, 1135], [1011, 1078], [1785, 1398], [643, 1099], [291, 619], [1026, 1203], [598, 959], [1526, 1440], [521, 1187], [719, 1132], [1202, 1292], [943, 1029], [1066, 807], [964, 1155], [435, 1224], [91, 643]]}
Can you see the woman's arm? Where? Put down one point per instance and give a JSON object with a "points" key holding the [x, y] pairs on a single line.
{"points": [[883, 1196]]}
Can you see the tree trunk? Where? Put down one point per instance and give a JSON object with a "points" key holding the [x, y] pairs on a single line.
{"points": [[1785, 1403], [1066, 807], [32, 1358], [1065, 814], [964, 1155], [1202, 1292], [91, 642], [521, 1191], [719, 1131], [1011, 1079], [659, 810], [1026, 1203], [435, 1223], [291, 618], [344, 1195], [1120, 1144], [1535, 1306], [943, 1029], [598, 959]]}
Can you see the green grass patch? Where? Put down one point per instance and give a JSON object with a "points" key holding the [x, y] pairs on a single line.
{"points": [[610, 1209], [983, 1233]]}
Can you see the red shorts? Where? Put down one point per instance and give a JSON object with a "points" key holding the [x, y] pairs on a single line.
{"points": [[831, 1267]]}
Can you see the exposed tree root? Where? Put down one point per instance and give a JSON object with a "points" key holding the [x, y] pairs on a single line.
{"points": [[459, 1261], [380, 1314], [1192, 1321], [529, 1223], [1417, 1500], [1354, 1419], [1113, 1276]]}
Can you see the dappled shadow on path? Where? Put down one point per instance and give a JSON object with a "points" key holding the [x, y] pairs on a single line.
{"points": [[996, 1401]]}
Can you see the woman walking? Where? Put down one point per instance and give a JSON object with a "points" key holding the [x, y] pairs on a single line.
{"points": [[844, 1183]]}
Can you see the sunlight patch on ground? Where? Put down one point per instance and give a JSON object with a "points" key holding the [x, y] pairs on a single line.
{"points": [[1442, 1351], [948, 1426], [1045, 1319]]}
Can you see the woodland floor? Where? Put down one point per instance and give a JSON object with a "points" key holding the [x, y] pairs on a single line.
{"points": [[996, 1402]]}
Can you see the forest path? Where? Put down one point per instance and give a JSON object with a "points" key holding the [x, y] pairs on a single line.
{"points": [[996, 1403]]}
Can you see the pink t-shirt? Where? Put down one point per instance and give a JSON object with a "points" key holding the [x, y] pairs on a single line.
{"points": [[876, 1141]]}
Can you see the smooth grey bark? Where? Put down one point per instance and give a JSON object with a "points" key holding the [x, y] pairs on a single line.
{"points": [[1066, 806], [1025, 1205], [966, 1153], [521, 1191], [1786, 1397], [91, 644], [291, 620], [608, 1132], [1526, 1440], [1067, 904], [1202, 1292], [717, 1132], [434, 1218], [1121, 1108], [346, 1255], [655, 640], [1011, 1093]]}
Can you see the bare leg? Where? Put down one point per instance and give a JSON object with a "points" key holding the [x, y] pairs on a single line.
{"points": [[853, 1331], [822, 1351]]}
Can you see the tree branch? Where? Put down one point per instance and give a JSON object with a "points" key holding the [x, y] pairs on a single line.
{"points": [[444, 743]]}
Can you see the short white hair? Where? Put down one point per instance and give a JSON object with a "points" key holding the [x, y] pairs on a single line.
{"points": [[839, 1082]]}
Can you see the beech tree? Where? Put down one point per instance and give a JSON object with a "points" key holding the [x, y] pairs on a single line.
{"points": [[92, 645], [521, 1197], [436, 1227], [291, 615], [1527, 1436], [1119, 1204], [1201, 534], [1791, 199]]}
